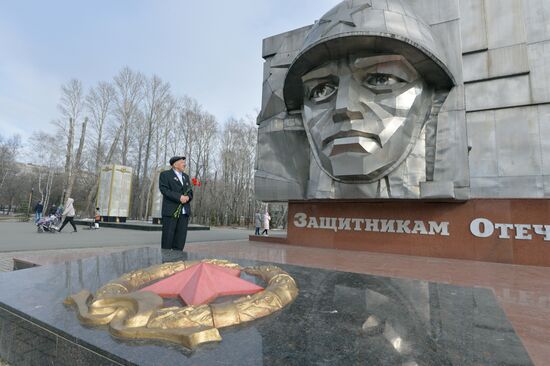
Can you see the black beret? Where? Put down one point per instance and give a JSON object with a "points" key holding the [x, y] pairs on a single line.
{"points": [[176, 158]]}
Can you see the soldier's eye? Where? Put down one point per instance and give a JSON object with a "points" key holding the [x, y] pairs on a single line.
{"points": [[382, 81], [322, 92]]}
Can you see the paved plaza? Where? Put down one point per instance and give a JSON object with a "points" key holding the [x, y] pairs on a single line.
{"points": [[522, 291], [22, 236]]}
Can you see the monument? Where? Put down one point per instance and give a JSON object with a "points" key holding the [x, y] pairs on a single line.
{"points": [[387, 121], [113, 194], [366, 129]]}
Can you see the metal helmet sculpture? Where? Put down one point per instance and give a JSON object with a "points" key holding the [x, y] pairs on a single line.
{"points": [[366, 81]]}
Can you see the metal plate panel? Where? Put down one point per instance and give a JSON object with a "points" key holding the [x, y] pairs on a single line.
{"points": [[498, 93], [482, 139], [544, 135], [508, 60], [451, 162], [537, 20], [507, 187], [518, 143], [476, 66], [436, 11], [267, 68], [375, 22], [546, 182], [271, 45], [395, 23], [461, 170], [483, 187], [521, 187], [472, 25], [455, 100], [290, 40], [449, 33], [437, 190], [294, 39], [505, 23], [539, 63]]}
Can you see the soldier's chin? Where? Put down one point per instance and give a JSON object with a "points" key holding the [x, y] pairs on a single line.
{"points": [[359, 167]]}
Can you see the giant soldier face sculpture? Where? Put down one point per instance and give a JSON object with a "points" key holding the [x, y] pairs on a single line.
{"points": [[363, 113], [363, 100], [366, 82]]}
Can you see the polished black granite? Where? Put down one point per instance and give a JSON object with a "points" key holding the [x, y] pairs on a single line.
{"points": [[137, 225], [410, 322]]}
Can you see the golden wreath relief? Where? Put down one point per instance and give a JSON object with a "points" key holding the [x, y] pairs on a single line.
{"points": [[140, 315]]}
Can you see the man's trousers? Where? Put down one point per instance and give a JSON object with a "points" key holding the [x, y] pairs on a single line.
{"points": [[174, 232]]}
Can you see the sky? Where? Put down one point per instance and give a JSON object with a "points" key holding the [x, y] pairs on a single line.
{"points": [[208, 50]]}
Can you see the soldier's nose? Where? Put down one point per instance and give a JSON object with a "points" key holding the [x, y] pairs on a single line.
{"points": [[344, 114], [344, 110]]}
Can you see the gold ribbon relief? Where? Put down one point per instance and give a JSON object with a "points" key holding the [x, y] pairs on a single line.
{"points": [[141, 315]]}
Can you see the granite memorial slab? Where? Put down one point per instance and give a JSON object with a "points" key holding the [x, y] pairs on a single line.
{"points": [[338, 318], [138, 225]]}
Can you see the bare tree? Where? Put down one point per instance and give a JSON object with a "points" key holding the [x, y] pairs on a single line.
{"points": [[70, 105], [237, 163], [46, 154], [99, 103], [137, 122], [206, 136], [8, 153], [129, 94], [76, 166], [157, 102], [190, 111]]}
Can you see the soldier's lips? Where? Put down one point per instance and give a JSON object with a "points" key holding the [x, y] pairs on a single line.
{"points": [[350, 134]]}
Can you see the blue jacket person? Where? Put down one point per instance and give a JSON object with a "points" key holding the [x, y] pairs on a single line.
{"points": [[176, 189]]}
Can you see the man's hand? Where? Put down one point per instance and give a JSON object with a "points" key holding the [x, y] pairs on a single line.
{"points": [[184, 199]]}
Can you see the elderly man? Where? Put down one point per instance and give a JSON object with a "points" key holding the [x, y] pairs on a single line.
{"points": [[177, 192]]}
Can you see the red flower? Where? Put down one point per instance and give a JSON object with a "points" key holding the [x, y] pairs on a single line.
{"points": [[196, 182], [177, 213]]}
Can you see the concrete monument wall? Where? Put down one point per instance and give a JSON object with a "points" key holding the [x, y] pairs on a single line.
{"points": [[113, 196], [381, 107], [506, 67]]}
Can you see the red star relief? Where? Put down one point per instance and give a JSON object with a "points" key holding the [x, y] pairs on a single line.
{"points": [[203, 283]]}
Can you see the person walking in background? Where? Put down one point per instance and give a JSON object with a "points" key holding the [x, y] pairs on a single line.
{"points": [[38, 211], [69, 215], [97, 218], [257, 222], [266, 220]]}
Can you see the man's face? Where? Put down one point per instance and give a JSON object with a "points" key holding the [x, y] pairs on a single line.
{"points": [[179, 165], [364, 114]]}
